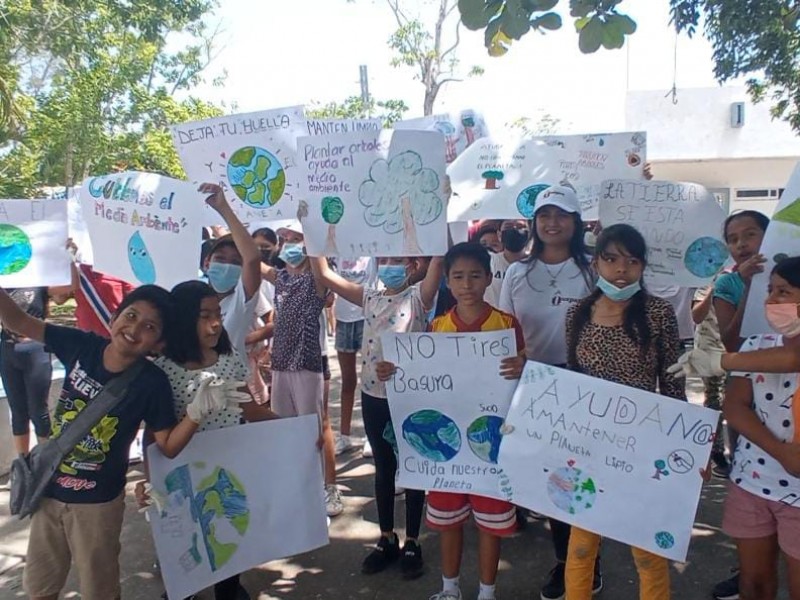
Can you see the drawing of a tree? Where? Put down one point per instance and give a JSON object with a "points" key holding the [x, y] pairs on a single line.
{"points": [[332, 212], [492, 177], [399, 195], [469, 123]]}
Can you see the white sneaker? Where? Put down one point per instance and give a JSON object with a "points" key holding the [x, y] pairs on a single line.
{"points": [[447, 595], [333, 501], [343, 444], [366, 451]]}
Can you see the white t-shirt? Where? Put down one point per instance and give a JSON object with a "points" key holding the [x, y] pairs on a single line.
{"points": [[238, 316], [401, 313], [499, 268], [363, 271], [229, 367], [754, 470], [681, 300], [539, 298]]}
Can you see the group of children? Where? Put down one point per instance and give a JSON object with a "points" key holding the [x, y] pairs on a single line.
{"points": [[590, 313]]}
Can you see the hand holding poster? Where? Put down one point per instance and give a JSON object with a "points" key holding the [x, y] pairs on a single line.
{"points": [[448, 402], [582, 448], [460, 131], [374, 193], [33, 239], [681, 223], [251, 155], [782, 240], [148, 227], [501, 178], [232, 501]]}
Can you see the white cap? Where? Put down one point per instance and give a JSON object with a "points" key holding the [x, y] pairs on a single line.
{"points": [[558, 195], [291, 227]]}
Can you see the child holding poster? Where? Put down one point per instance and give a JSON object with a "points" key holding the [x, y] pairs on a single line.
{"points": [[622, 334], [762, 509], [401, 306]]}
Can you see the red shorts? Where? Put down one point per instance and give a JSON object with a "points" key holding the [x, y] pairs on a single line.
{"points": [[448, 511]]}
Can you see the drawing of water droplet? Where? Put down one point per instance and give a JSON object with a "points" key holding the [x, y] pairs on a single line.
{"points": [[140, 260]]}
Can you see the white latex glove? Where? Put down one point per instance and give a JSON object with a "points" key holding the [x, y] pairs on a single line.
{"points": [[227, 393], [152, 498], [213, 394], [703, 363]]}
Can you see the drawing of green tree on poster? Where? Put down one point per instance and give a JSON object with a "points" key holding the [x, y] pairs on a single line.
{"points": [[399, 195], [332, 213]]}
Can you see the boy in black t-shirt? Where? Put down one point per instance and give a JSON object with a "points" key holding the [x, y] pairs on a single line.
{"points": [[80, 517]]}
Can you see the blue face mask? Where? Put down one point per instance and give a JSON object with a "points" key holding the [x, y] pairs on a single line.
{"points": [[223, 276], [292, 254], [392, 276], [616, 294]]}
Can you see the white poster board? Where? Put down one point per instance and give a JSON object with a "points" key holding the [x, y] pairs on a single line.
{"points": [[615, 460], [235, 499], [76, 227], [144, 228], [460, 130], [782, 240], [251, 155], [374, 193], [334, 126], [681, 223], [500, 178], [33, 240], [448, 402]]}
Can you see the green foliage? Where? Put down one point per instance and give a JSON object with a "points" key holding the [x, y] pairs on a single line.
{"points": [[88, 87], [388, 111]]}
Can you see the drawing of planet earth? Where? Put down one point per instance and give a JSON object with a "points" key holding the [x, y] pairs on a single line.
{"points": [[433, 435], [705, 256], [526, 201], [257, 177], [15, 249], [665, 540], [571, 490], [483, 437]]}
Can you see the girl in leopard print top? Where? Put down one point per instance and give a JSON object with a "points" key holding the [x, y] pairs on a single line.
{"points": [[622, 334]]}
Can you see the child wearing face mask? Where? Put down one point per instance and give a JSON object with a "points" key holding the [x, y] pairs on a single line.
{"points": [[762, 509], [622, 334], [233, 268], [400, 306], [514, 238]]}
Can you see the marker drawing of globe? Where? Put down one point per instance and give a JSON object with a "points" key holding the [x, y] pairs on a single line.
{"points": [[15, 249], [256, 176], [571, 490], [483, 437], [705, 256], [526, 200], [433, 435]]}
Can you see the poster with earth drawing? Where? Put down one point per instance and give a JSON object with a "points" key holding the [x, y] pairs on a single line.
{"points": [[681, 223], [252, 155], [618, 461], [236, 498], [782, 240], [500, 178], [33, 238], [447, 420], [373, 193]]}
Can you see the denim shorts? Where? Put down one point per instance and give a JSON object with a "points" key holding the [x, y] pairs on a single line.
{"points": [[349, 336]]}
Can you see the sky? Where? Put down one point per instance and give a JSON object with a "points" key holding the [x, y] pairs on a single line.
{"points": [[280, 54]]}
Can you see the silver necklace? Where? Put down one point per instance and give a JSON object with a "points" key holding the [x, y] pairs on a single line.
{"points": [[554, 278]]}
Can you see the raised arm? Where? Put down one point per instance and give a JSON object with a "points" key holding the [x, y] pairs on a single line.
{"points": [[433, 279], [17, 320], [772, 360], [245, 244], [328, 278]]}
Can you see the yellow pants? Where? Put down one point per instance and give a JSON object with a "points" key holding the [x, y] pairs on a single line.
{"points": [[583, 546]]}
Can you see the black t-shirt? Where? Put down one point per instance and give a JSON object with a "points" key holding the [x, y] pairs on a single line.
{"points": [[95, 470], [32, 300]]}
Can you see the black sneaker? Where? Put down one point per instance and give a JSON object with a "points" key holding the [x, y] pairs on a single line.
{"points": [[597, 582], [411, 560], [385, 553], [728, 589], [553, 589]]}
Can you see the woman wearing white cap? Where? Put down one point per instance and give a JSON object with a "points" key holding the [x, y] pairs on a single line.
{"points": [[538, 291]]}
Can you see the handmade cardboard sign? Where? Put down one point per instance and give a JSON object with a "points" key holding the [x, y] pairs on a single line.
{"points": [[460, 130], [618, 461], [500, 178], [374, 193], [236, 498], [447, 420], [681, 223], [144, 228], [33, 239]]}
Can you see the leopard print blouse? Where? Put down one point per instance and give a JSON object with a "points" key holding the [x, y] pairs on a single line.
{"points": [[608, 353]]}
